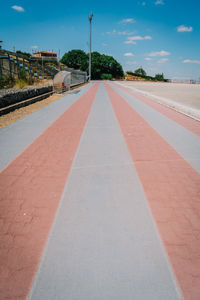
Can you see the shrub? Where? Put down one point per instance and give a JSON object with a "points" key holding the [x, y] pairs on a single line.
{"points": [[141, 72], [6, 81], [22, 74], [21, 83], [130, 73], [106, 76], [160, 77]]}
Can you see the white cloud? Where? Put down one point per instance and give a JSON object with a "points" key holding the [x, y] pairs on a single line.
{"points": [[34, 47], [147, 37], [159, 53], [129, 54], [183, 28], [125, 21], [111, 32], [159, 2], [139, 38], [132, 39], [124, 32], [143, 3], [131, 62], [130, 42], [148, 58], [17, 8], [186, 61], [162, 60]]}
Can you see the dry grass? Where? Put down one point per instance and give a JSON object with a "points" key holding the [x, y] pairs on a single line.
{"points": [[21, 83]]}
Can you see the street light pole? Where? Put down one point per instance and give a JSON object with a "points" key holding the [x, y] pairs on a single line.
{"points": [[90, 39], [59, 58], [1, 61]]}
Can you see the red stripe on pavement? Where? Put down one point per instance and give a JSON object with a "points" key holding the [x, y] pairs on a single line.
{"points": [[172, 188], [183, 120], [30, 189]]}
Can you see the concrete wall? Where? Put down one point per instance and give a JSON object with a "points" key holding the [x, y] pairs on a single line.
{"points": [[11, 96]]}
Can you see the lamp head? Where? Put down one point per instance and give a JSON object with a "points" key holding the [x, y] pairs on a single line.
{"points": [[90, 17]]}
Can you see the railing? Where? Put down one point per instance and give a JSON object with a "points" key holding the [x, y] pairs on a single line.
{"points": [[11, 62], [77, 76]]}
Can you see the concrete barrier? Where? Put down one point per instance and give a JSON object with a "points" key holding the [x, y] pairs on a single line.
{"points": [[12, 96]]}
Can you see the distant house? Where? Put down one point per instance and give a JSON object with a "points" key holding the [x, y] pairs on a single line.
{"points": [[45, 54]]}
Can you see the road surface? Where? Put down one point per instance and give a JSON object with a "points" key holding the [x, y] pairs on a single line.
{"points": [[100, 200], [181, 96]]}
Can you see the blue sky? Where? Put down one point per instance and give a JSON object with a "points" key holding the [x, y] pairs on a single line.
{"points": [[159, 35]]}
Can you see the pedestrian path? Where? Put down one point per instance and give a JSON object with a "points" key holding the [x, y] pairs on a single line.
{"points": [[19, 135], [102, 202]]}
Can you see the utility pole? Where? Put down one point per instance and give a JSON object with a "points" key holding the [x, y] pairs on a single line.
{"points": [[90, 40]]}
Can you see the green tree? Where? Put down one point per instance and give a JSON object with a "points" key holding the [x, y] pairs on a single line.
{"points": [[105, 64], [159, 77], [130, 73], [140, 72], [24, 53], [100, 63], [76, 59], [96, 65], [106, 76]]}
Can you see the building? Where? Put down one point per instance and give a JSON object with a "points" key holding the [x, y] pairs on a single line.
{"points": [[45, 54]]}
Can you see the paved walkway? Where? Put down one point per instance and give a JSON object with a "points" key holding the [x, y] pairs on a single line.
{"points": [[100, 199]]}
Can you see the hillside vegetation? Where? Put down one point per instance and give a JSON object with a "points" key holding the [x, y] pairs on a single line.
{"points": [[140, 74]]}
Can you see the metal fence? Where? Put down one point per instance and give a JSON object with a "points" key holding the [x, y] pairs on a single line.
{"points": [[77, 76]]}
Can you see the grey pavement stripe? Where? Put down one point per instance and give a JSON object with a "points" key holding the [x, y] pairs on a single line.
{"points": [[103, 244], [186, 143], [18, 135]]}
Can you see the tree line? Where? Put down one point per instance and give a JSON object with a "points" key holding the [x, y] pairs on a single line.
{"points": [[103, 66], [142, 73]]}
